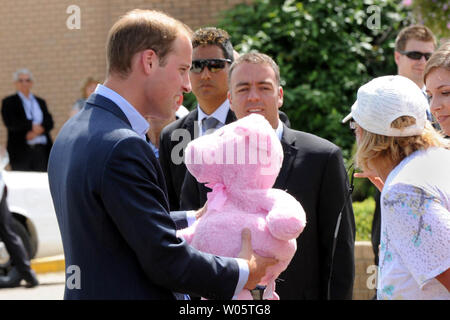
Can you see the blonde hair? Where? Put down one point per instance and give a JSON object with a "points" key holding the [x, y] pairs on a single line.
{"points": [[439, 59], [375, 148], [141, 30], [87, 82]]}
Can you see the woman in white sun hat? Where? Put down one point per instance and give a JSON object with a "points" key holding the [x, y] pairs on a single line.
{"points": [[409, 161]]}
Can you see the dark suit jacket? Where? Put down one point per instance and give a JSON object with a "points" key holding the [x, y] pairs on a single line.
{"points": [[18, 125], [313, 172], [111, 203], [174, 168]]}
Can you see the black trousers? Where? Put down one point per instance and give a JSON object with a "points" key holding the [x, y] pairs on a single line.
{"points": [[18, 254], [35, 159]]}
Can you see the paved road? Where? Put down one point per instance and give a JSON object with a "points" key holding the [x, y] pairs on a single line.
{"points": [[51, 288]]}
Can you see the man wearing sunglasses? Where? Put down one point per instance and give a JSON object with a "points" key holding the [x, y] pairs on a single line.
{"points": [[413, 47], [212, 56]]}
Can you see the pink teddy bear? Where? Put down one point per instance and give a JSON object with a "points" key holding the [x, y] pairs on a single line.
{"points": [[240, 163]]}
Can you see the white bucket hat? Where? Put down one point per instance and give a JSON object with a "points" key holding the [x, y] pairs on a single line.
{"points": [[384, 99]]}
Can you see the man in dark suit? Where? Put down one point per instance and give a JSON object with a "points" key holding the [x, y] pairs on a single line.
{"points": [[28, 122], [108, 189], [313, 172], [212, 55]]}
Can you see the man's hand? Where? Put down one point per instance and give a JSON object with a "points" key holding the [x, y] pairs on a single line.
{"points": [[257, 265], [201, 211], [38, 129], [30, 135]]}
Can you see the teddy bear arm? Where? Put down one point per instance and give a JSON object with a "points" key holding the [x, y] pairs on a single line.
{"points": [[286, 219]]}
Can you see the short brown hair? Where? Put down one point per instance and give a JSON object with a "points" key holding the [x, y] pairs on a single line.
{"points": [[416, 32], [214, 36], [140, 30], [255, 58], [439, 59]]}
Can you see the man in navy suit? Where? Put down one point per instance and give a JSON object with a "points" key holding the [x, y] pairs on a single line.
{"points": [[108, 188]]}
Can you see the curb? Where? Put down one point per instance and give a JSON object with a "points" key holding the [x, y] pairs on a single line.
{"points": [[49, 264]]}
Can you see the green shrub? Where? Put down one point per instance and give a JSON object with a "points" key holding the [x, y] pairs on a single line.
{"points": [[325, 50], [363, 218]]}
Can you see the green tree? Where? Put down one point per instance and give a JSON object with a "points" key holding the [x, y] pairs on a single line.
{"points": [[325, 49], [435, 14]]}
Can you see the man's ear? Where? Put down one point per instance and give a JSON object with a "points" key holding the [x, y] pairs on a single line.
{"points": [[229, 99], [396, 57], [280, 96], [149, 60]]}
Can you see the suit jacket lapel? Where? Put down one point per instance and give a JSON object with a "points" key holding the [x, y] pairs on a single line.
{"points": [[19, 102], [190, 122], [290, 151], [231, 117]]}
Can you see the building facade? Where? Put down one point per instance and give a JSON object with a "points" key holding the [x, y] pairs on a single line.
{"points": [[62, 42]]}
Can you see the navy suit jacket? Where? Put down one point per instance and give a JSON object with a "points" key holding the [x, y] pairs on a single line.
{"points": [[313, 172], [111, 203]]}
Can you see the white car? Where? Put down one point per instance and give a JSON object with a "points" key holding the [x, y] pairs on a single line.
{"points": [[31, 205]]}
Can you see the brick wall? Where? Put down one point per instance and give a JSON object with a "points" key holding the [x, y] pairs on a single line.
{"points": [[34, 35]]}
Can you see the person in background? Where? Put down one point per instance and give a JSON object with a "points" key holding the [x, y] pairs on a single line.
{"points": [[313, 172], [437, 80], [20, 261], [28, 123], [87, 89], [398, 146], [212, 55], [157, 124]]}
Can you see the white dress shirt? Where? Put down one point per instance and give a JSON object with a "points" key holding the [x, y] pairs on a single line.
{"points": [[220, 114], [34, 113]]}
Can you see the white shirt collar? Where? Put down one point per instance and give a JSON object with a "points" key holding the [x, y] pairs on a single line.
{"points": [[137, 121], [220, 114], [30, 96], [279, 129]]}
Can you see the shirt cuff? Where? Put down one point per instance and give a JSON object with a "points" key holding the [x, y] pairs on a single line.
{"points": [[190, 217], [243, 276]]}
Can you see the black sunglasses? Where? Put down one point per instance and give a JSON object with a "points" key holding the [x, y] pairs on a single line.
{"points": [[213, 65], [416, 55]]}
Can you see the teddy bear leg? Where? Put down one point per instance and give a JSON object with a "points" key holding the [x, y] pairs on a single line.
{"points": [[269, 293]]}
